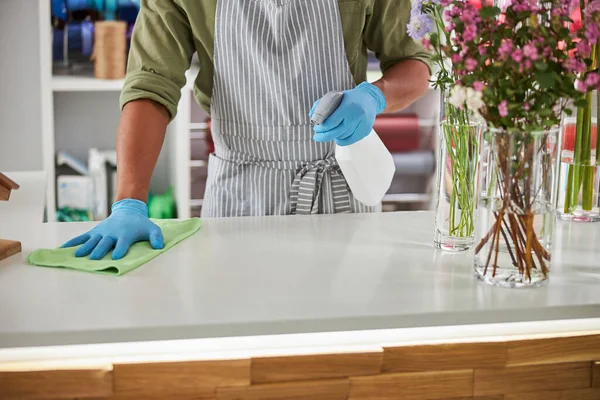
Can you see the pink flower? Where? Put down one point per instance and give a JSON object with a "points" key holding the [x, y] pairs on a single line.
{"points": [[527, 64], [470, 64], [470, 33], [530, 51], [482, 50], [592, 80], [547, 52], [479, 86], [580, 86], [426, 43], [505, 48], [450, 27], [445, 3], [456, 58], [517, 55], [503, 108], [526, 106]]}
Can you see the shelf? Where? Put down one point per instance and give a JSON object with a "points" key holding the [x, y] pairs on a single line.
{"points": [[85, 84]]}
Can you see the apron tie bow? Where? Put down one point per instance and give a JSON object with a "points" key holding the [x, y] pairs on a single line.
{"points": [[306, 189]]}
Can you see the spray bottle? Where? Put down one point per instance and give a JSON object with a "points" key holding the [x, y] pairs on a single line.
{"points": [[367, 164]]}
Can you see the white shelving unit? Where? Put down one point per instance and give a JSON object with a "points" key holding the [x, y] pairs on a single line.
{"points": [[85, 84]]}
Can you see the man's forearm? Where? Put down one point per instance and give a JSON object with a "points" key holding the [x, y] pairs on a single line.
{"points": [[404, 83], [140, 137]]}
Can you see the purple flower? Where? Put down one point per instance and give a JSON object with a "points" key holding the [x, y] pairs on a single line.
{"points": [[591, 32], [592, 7], [445, 3], [517, 55], [470, 64], [584, 48], [450, 27], [479, 86], [419, 25], [530, 51], [547, 52], [592, 80], [580, 86], [503, 108]]}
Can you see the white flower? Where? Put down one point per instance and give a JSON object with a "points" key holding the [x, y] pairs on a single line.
{"points": [[458, 96], [474, 99]]}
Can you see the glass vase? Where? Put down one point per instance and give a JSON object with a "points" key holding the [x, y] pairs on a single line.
{"points": [[457, 167], [579, 198], [517, 186]]}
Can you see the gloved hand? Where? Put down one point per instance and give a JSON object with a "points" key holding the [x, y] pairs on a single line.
{"points": [[127, 224], [354, 118]]}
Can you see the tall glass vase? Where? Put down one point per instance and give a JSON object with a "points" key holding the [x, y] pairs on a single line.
{"points": [[457, 166], [580, 165], [517, 186]]}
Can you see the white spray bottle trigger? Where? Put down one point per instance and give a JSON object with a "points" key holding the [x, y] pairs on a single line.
{"points": [[367, 164]]}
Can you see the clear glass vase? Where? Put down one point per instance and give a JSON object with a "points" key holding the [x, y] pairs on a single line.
{"points": [[579, 192], [457, 167], [517, 186]]}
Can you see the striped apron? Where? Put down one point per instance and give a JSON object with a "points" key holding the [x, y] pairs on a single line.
{"points": [[273, 59]]}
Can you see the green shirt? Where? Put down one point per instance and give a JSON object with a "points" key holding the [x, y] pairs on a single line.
{"points": [[168, 32]]}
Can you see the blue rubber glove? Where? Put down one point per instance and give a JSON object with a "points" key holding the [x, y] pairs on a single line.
{"points": [[127, 224], [354, 118]]}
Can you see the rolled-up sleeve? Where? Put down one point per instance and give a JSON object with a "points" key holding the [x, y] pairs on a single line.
{"points": [[161, 50], [385, 34]]}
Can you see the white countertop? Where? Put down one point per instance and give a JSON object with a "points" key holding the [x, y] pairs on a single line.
{"points": [[290, 276]]}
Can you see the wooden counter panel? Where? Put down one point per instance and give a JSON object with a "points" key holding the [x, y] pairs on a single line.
{"points": [[177, 378], [313, 390], [56, 384], [444, 357], [576, 394], [555, 350], [319, 366], [532, 378], [413, 386]]}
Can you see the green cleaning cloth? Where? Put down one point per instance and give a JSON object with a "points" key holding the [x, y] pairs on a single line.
{"points": [[140, 253]]}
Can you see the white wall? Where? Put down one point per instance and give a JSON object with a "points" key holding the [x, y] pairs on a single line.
{"points": [[89, 119], [20, 103]]}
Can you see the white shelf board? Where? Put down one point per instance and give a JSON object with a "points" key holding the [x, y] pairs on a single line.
{"points": [[73, 83]]}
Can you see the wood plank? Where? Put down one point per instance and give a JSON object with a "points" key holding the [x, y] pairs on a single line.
{"points": [[319, 366], [300, 390], [596, 374], [577, 394], [477, 398], [444, 357], [7, 182], [555, 350], [56, 384], [179, 378], [413, 386], [532, 378], [9, 248], [4, 193]]}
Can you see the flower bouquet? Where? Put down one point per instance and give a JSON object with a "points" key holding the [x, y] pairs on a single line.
{"points": [[519, 60], [459, 130]]}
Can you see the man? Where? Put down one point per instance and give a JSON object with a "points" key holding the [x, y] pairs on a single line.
{"points": [[263, 63]]}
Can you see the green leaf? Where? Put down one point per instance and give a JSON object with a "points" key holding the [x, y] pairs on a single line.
{"points": [[568, 111], [545, 79], [489, 12], [541, 66]]}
